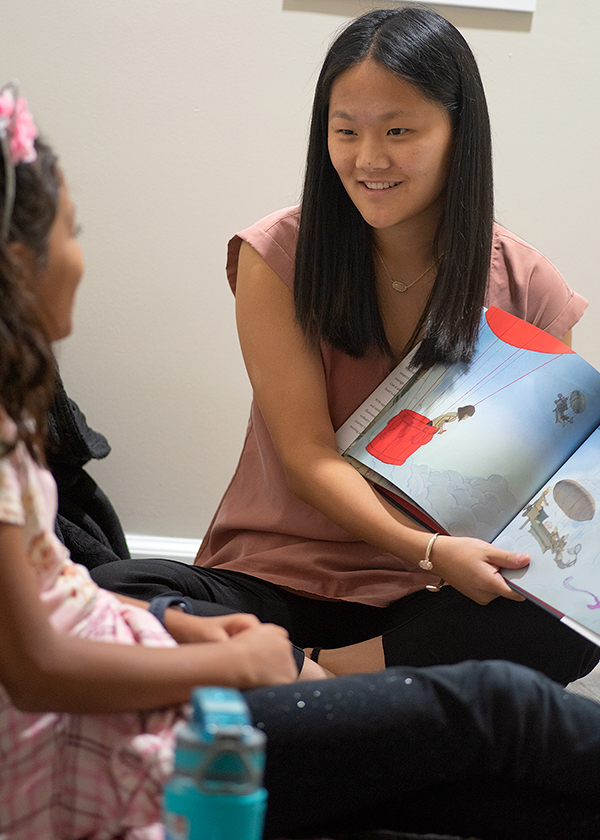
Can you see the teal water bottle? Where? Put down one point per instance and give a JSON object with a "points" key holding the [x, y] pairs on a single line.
{"points": [[216, 790]]}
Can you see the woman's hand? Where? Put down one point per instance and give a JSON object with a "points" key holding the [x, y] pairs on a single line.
{"points": [[473, 567]]}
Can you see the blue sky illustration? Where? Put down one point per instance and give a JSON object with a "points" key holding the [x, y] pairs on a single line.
{"points": [[481, 470]]}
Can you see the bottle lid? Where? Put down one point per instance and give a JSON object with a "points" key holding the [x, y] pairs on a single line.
{"points": [[216, 709], [219, 748]]}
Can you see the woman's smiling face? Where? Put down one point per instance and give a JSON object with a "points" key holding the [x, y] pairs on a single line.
{"points": [[390, 146]]}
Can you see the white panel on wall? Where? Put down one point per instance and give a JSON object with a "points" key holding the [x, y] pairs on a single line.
{"points": [[508, 5]]}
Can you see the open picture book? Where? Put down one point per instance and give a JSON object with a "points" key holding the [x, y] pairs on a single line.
{"points": [[506, 449]]}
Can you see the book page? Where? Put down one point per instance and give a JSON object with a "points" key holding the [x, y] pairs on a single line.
{"points": [[372, 407], [471, 444], [560, 529]]}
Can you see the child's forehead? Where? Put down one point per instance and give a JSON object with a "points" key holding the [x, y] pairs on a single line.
{"points": [[65, 202]]}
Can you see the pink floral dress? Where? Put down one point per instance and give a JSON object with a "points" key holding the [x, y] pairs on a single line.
{"points": [[66, 776]]}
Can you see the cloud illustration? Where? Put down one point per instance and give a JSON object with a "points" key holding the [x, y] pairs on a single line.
{"points": [[465, 506]]}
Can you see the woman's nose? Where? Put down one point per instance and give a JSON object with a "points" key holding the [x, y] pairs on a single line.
{"points": [[372, 155]]}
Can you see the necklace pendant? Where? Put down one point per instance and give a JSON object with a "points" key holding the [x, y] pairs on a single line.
{"points": [[399, 286]]}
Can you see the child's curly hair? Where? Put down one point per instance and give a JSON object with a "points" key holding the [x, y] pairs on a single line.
{"points": [[27, 367]]}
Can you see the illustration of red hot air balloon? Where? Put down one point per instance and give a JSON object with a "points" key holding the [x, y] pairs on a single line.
{"points": [[411, 428], [522, 334]]}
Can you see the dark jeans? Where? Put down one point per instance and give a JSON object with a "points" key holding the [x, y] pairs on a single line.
{"points": [[419, 630], [480, 749]]}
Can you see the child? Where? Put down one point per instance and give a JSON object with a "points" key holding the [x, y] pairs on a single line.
{"points": [[91, 684], [62, 773]]}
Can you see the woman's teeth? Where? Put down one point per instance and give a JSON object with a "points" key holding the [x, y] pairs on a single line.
{"points": [[385, 185]]}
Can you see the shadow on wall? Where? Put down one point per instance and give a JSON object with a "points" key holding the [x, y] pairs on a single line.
{"points": [[461, 18]]}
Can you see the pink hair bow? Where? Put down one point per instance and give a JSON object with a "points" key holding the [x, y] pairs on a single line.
{"points": [[17, 140], [17, 125]]}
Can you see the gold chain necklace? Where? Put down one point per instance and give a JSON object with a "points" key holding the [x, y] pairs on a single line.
{"points": [[398, 285]]}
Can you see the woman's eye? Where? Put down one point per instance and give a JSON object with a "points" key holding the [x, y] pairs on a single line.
{"points": [[345, 132], [397, 132]]}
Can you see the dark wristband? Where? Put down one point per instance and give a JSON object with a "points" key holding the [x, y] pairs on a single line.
{"points": [[159, 604]]}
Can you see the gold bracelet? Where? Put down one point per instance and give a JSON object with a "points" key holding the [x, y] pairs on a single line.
{"points": [[427, 565]]}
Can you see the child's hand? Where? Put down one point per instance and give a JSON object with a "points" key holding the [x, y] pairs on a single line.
{"points": [[261, 655], [473, 567], [218, 628]]}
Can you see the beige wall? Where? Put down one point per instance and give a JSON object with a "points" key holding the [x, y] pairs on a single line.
{"points": [[181, 121]]}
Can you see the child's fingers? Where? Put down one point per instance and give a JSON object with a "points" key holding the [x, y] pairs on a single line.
{"points": [[237, 622]]}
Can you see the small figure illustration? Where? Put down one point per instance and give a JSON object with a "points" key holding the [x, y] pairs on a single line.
{"points": [[535, 511], [409, 430], [567, 407], [557, 546], [562, 406], [451, 416], [548, 540]]}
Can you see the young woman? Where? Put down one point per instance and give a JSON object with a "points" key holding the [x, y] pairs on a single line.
{"points": [[394, 243]]}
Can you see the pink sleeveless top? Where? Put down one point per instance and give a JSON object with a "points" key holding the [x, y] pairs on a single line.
{"points": [[260, 527]]}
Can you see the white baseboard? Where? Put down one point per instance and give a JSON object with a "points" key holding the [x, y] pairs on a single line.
{"points": [[171, 548]]}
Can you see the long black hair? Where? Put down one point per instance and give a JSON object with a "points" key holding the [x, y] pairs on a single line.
{"points": [[335, 285], [27, 368]]}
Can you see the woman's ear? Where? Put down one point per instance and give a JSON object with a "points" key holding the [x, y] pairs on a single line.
{"points": [[23, 259]]}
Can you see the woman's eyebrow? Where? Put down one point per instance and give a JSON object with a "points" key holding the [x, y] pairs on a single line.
{"points": [[390, 115]]}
